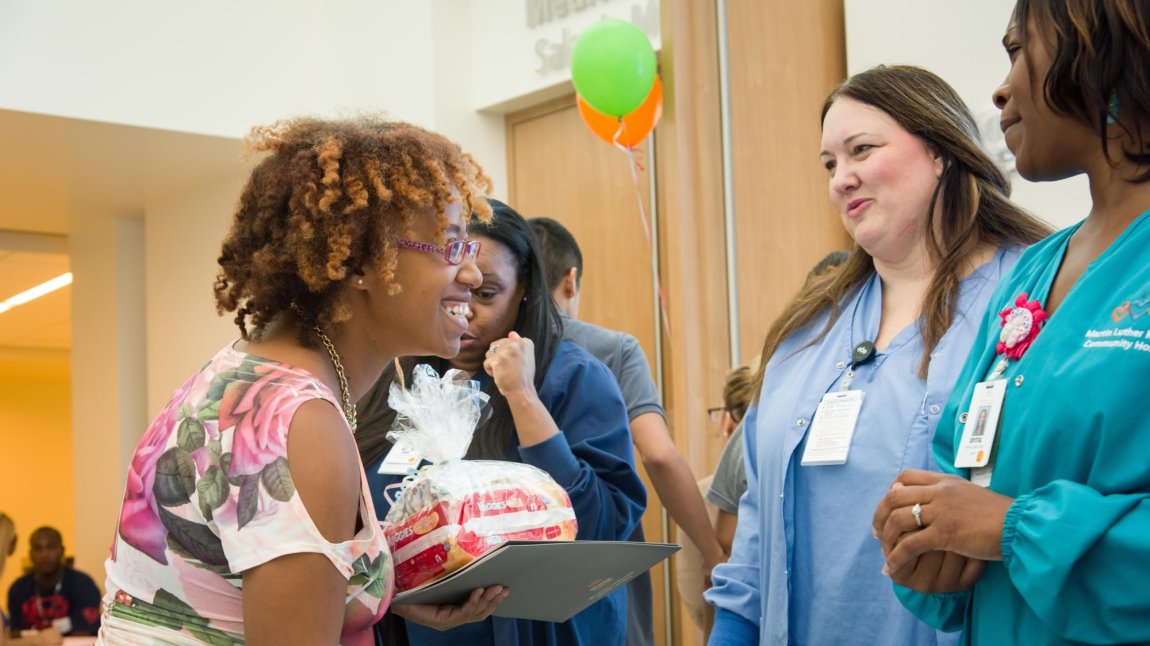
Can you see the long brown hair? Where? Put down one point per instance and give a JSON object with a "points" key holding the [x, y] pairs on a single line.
{"points": [[1100, 60], [970, 207]]}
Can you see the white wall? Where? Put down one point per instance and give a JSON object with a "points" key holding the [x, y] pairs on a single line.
{"points": [[213, 66], [108, 378], [962, 43], [523, 47], [217, 67], [182, 242]]}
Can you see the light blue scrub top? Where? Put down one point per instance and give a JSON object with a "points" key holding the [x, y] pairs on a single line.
{"points": [[804, 567], [1074, 451]]}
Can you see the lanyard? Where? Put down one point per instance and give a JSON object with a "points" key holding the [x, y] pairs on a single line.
{"points": [[40, 599]]}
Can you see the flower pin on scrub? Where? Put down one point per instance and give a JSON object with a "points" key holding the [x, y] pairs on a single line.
{"points": [[1020, 326]]}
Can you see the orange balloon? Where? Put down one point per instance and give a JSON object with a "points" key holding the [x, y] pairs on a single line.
{"points": [[632, 128]]}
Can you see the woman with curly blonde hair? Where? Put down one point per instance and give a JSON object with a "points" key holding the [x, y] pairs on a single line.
{"points": [[246, 516]]}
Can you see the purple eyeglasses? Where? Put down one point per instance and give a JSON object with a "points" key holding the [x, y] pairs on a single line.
{"points": [[453, 252]]}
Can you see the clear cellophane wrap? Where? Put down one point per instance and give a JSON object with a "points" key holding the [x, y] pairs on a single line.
{"points": [[453, 511]]}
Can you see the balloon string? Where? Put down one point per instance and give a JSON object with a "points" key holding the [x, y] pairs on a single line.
{"points": [[636, 168]]}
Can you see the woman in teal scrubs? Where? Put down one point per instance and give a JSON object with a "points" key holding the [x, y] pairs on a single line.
{"points": [[1055, 526]]}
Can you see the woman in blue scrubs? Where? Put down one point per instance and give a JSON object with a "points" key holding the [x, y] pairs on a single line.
{"points": [[856, 370], [1060, 511]]}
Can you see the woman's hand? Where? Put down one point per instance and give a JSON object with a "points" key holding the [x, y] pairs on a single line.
{"points": [[956, 516], [937, 571], [511, 362], [478, 607]]}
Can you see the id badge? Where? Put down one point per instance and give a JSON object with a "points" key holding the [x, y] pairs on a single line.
{"points": [[829, 439], [981, 424], [401, 460]]}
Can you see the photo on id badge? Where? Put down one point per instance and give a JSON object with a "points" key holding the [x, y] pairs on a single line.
{"points": [[980, 423]]}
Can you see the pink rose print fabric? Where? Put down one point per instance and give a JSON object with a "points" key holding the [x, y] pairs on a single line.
{"points": [[209, 495]]}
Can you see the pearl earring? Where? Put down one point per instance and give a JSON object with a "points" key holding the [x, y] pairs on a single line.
{"points": [[359, 281]]}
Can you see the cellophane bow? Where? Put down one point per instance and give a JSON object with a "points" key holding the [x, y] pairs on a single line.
{"points": [[437, 415]]}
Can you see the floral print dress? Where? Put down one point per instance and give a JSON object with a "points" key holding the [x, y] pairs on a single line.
{"points": [[209, 495]]}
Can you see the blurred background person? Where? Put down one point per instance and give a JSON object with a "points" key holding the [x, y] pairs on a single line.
{"points": [[554, 406], [53, 595], [856, 369], [829, 261], [7, 548], [692, 574], [670, 475], [8, 633]]}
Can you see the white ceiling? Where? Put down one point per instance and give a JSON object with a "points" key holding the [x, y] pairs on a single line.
{"points": [[54, 170]]}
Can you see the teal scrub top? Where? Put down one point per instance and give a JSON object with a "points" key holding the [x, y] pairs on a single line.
{"points": [[1073, 451]]}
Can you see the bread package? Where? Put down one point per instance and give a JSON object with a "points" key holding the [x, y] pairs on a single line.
{"points": [[453, 511]]}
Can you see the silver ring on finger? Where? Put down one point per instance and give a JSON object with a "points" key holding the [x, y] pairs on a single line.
{"points": [[917, 511], [492, 349]]}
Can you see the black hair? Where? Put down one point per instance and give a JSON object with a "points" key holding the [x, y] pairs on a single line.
{"points": [[50, 531], [830, 261], [1100, 60], [560, 250]]}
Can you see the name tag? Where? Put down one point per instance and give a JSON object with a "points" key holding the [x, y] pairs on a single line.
{"points": [[829, 439], [401, 460], [63, 625], [974, 450]]}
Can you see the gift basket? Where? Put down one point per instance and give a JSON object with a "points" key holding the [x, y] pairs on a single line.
{"points": [[453, 511]]}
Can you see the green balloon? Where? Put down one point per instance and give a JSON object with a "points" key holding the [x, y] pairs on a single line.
{"points": [[613, 67]]}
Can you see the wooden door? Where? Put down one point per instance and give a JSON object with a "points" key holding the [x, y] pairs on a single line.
{"points": [[557, 168]]}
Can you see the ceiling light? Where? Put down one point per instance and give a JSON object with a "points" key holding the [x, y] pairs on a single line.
{"points": [[62, 280]]}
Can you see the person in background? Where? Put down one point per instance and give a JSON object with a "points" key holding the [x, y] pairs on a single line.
{"points": [[46, 637], [53, 595], [730, 478], [855, 371], [7, 548], [246, 516], [554, 406], [691, 573], [670, 476], [1059, 514], [829, 261]]}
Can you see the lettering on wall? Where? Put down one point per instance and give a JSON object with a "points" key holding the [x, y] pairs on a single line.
{"points": [[554, 53], [543, 11]]}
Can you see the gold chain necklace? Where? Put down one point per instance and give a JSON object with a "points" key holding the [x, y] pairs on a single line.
{"points": [[348, 407]]}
